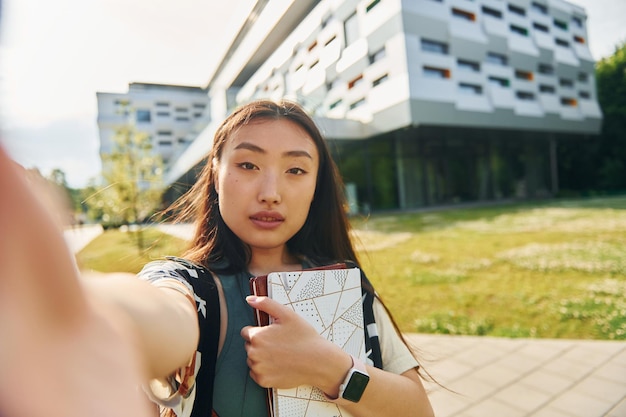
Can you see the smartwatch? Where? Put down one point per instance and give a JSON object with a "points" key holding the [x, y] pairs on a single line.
{"points": [[357, 379]]}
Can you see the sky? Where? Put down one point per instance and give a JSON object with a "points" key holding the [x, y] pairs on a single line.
{"points": [[56, 54]]}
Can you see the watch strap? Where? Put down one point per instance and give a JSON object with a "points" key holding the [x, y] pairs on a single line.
{"points": [[357, 367]]}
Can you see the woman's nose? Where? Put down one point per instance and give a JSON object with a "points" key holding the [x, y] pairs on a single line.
{"points": [[269, 191]]}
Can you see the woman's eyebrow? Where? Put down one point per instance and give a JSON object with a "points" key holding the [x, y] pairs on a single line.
{"points": [[255, 148], [250, 146], [296, 154]]}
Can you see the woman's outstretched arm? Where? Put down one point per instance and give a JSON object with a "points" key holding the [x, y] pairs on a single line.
{"points": [[68, 349]]}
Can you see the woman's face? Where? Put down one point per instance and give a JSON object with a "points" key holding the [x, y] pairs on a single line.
{"points": [[266, 181]]}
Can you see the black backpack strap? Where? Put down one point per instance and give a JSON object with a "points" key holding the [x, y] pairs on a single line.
{"points": [[372, 342], [208, 303]]}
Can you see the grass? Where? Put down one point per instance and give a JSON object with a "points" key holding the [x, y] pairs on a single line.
{"points": [[551, 270], [548, 270], [116, 251]]}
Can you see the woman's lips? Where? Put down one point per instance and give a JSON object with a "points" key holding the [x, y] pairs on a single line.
{"points": [[267, 220]]}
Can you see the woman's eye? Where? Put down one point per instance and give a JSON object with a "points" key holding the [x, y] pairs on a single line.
{"points": [[246, 165], [296, 171]]}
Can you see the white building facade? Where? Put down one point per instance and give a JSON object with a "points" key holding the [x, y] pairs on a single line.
{"points": [[171, 115], [424, 101]]}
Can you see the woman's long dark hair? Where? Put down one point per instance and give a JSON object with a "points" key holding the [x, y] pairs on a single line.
{"points": [[325, 235]]}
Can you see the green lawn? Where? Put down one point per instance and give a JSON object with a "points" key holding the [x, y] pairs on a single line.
{"points": [[554, 270], [117, 251], [549, 270]]}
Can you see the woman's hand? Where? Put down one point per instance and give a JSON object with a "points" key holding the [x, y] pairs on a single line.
{"points": [[289, 352], [60, 353]]}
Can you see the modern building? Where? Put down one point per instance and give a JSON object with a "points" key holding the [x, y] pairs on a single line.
{"points": [[171, 115], [424, 102]]}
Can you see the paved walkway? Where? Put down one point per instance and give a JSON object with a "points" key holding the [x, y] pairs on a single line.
{"points": [[524, 377], [498, 377], [79, 236]]}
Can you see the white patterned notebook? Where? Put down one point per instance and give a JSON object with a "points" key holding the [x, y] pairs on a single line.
{"points": [[331, 301]]}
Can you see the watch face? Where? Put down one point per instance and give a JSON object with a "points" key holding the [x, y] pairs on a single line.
{"points": [[355, 387]]}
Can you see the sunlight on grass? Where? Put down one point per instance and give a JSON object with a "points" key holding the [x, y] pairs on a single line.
{"points": [[551, 270], [592, 257], [116, 251]]}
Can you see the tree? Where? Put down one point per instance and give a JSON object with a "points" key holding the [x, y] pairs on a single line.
{"points": [[133, 187], [599, 165], [611, 81]]}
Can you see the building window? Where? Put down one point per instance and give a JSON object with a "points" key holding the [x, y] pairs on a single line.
{"points": [[566, 82], [517, 10], [165, 143], [182, 141], [182, 109], [162, 104], [334, 104], [498, 81], [462, 14], [371, 6], [312, 46], [142, 116], [380, 80], [164, 132], [546, 89], [584, 94], [434, 46], [519, 30], [523, 75], [199, 105], [472, 89], [334, 84], [182, 119], [378, 55], [468, 65], [488, 11], [495, 58], [314, 64], [568, 101], [545, 69], [328, 42], [560, 24], [525, 95], [577, 21], [540, 27], [583, 77], [351, 29], [163, 114], [579, 39], [539, 8], [562, 42], [432, 72], [197, 115], [356, 81], [357, 103]]}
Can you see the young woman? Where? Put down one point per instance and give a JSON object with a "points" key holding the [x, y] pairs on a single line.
{"points": [[269, 199]]}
